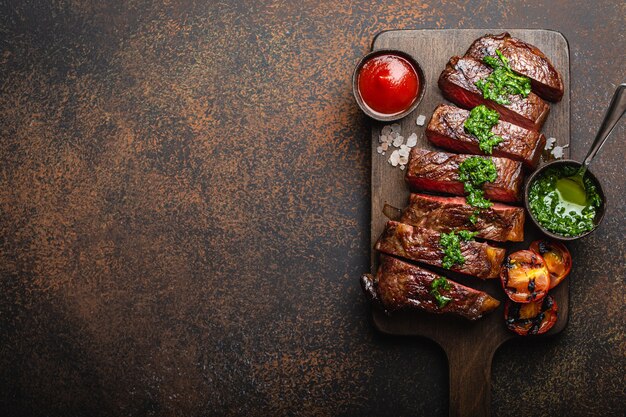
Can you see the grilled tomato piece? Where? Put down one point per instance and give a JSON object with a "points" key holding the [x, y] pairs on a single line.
{"points": [[531, 318], [525, 277], [557, 258]]}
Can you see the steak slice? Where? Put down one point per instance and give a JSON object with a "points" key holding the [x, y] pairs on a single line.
{"points": [[402, 286], [457, 83], [524, 59], [443, 214], [446, 130], [439, 172], [422, 245]]}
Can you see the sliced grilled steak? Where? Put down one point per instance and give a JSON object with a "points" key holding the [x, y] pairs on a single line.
{"points": [[402, 286], [422, 245], [446, 130], [439, 172], [457, 83], [524, 59], [443, 214]]}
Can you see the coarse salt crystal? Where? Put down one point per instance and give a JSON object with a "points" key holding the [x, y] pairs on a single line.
{"points": [[557, 152], [398, 141], [420, 120], [403, 160], [379, 149], [403, 152], [385, 146], [402, 167], [386, 130], [395, 128], [411, 141], [393, 159], [550, 143]]}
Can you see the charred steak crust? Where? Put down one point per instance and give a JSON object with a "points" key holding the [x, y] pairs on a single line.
{"points": [[444, 214], [457, 83], [439, 172], [446, 129], [402, 286], [422, 245], [524, 59]]}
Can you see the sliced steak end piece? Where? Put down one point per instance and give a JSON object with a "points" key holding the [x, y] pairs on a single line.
{"points": [[525, 59], [457, 83], [401, 286]]}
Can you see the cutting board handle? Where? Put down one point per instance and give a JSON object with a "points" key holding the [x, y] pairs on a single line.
{"points": [[470, 381]]}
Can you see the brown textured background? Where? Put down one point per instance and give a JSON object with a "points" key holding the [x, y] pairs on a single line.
{"points": [[184, 214]]}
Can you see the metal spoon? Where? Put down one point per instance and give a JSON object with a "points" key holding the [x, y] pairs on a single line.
{"points": [[572, 189]]}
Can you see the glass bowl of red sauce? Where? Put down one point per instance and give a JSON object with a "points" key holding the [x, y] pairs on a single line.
{"points": [[388, 84]]}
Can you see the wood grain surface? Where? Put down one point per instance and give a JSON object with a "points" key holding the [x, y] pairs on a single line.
{"points": [[469, 346]]}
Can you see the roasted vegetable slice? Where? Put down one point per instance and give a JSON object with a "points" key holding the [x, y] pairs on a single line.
{"points": [[557, 258], [531, 318], [525, 277]]}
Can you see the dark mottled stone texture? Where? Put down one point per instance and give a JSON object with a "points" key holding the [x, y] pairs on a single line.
{"points": [[184, 214]]}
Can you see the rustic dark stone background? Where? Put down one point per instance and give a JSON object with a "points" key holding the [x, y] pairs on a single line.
{"points": [[184, 214]]}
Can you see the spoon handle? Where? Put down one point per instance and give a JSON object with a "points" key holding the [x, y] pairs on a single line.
{"points": [[615, 111]]}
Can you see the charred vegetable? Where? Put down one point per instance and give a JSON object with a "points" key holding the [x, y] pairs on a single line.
{"points": [[532, 318], [557, 258], [525, 277]]}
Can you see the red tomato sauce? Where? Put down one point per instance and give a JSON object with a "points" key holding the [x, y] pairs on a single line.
{"points": [[388, 84]]}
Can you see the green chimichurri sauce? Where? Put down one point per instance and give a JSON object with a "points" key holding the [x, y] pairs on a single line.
{"points": [[556, 214], [438, 285], [502, 82], [451, 247], [479, 123], [474, 172]]}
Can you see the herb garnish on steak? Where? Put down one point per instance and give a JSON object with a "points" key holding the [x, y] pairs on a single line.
{"points": [[502, 82], [479, 123], [451, 246], [474, 172]]}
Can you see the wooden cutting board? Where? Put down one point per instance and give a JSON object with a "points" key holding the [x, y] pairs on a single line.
{"points": [[469, 346]]}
